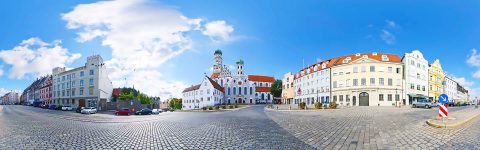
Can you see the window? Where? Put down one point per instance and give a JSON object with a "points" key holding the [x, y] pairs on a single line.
{"points": [[372, 81], [364, 69], [412, 63], [63, 78], [390, 82], [81, 73], [91, 72], [90, 82], [398, 70], [90, 91], [73, 92], [372, 68], [355, 69], [380, 81], [348, 83], [81, 82], [251, 90], [208, 91], [380, 97], [234, 91], [412, 86], [341, 98], [335, 98], [355, 82], [390, 69], [423, 88], [418, 87], [397, 97], [73, 83], [347, 98], [389, 97], [399, 82], [228, 90], [239, 90], [364, 81]]}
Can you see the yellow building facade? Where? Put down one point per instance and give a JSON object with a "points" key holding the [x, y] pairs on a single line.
{"points": [[436, 80], [369, 79]]}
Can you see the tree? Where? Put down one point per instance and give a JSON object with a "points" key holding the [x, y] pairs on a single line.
{"points": [[276, 89], [126, 95], [144, 99], [176, 103]]}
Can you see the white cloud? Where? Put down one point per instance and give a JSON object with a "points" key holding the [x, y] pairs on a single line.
{"points": [[4, 91], [463, 81], [218, 30], [474, 60], [36, 57], [388, 37], [1, 70], [390, 24], [142, 36]]}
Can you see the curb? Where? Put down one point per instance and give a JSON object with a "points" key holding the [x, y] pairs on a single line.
{"points": [[296, 110], [455, 125]]}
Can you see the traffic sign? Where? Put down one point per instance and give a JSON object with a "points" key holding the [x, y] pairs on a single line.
{"points": [[443, 110], [443, 98]]}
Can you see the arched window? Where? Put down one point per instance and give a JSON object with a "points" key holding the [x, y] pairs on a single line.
{"points": [[239, 90], [228, 90], [245, 90], [251, 90], [268, 97], [234, 91], [221, 82], [263, 97]]}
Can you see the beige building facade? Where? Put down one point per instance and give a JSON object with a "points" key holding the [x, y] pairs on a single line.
{"points": [[287, 88], [369, 79]]}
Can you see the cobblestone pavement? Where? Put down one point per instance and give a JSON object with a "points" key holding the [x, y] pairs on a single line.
{"points": [[25, 127], [376, 128], [250, 128]]}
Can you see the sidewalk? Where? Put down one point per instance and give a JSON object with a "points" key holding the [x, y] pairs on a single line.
{"points": [[455, 119]]}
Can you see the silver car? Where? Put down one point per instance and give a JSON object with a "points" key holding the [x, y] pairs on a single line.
{"points": [[89, 110], [423, 103]]}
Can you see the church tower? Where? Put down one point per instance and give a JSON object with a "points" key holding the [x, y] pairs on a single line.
{"points": [[217, 64], [240, 67]]}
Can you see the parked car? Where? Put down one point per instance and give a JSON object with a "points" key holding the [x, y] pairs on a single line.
{"points": [[51, 106], [156, 111], [124, 111], [167, 109], [89, 110], [144, 111], [67, 108], [423, 103], [79, 109], [58, 107], [44, 106]]}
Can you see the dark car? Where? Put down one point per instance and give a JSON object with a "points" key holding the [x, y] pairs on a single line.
{"points": [[124, 111], [79, 109], [58, 107], [51, 106], [144, 111], [168, 109]]}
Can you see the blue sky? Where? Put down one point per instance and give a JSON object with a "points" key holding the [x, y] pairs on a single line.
{"points": [[272, 37]]}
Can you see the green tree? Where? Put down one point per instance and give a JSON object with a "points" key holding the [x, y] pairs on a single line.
{"points": [[144, 99], [126, 95], [276, 89], [176, 103]]}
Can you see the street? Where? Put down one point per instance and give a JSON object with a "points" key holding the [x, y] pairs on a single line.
{"points": [[249, 128]]}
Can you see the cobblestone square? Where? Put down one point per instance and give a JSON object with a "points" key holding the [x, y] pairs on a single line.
{"points": [[249, 128]]}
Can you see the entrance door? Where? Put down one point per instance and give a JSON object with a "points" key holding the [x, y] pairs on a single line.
{"points": [[363, 99], [240, 100], [354, 101], [81, 103]]}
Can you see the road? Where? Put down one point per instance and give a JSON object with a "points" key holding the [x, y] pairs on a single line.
{"points": [[250, 128]]}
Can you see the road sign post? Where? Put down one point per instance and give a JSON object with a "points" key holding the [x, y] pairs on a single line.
{"points": [[443, 108]]}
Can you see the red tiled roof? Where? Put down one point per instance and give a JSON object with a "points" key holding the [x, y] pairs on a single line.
{"points": [[328, 63], [116, 92], [216, 85], [378, 57], [214, 75], [261, 78], [262, 89]]}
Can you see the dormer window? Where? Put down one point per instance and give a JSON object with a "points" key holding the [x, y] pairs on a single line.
{"points": [[349, 58], [345, 61], [357, 54], [364, 56], [323, 66], [374, 54], [384, 58]]}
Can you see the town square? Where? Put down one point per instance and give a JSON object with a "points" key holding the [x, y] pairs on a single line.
{"points": [[164, 74]]}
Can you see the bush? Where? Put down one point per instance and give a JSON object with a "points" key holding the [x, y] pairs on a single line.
{"points": [[230, 106], [236, 106], [318, 105], [458, 104], [224, 106], [333, 105], [210, 108], [217, 107], [301, 105], [204, 108]]}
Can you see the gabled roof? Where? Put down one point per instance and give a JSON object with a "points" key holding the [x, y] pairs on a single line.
{"points": [[194, 87], [377, 56], [328, 63], [261, 78], [216, 85], [214, 75], [262, 89]]}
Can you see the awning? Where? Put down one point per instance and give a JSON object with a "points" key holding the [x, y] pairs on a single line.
{"points": [[418, 95]]}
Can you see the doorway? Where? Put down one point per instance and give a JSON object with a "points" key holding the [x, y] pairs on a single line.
{"points": [[363, 99]]}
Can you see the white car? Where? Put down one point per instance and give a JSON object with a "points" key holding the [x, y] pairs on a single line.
{"points": [[67, 108], [156, 111], [89, 110]]}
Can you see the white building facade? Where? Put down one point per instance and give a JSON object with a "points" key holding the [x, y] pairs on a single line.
{"points": [[207, 93], [415, 77], [312, 84], [450, 88], [86, 86]]}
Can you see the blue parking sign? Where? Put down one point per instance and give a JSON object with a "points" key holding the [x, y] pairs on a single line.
{"points": [[443, 98]]}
